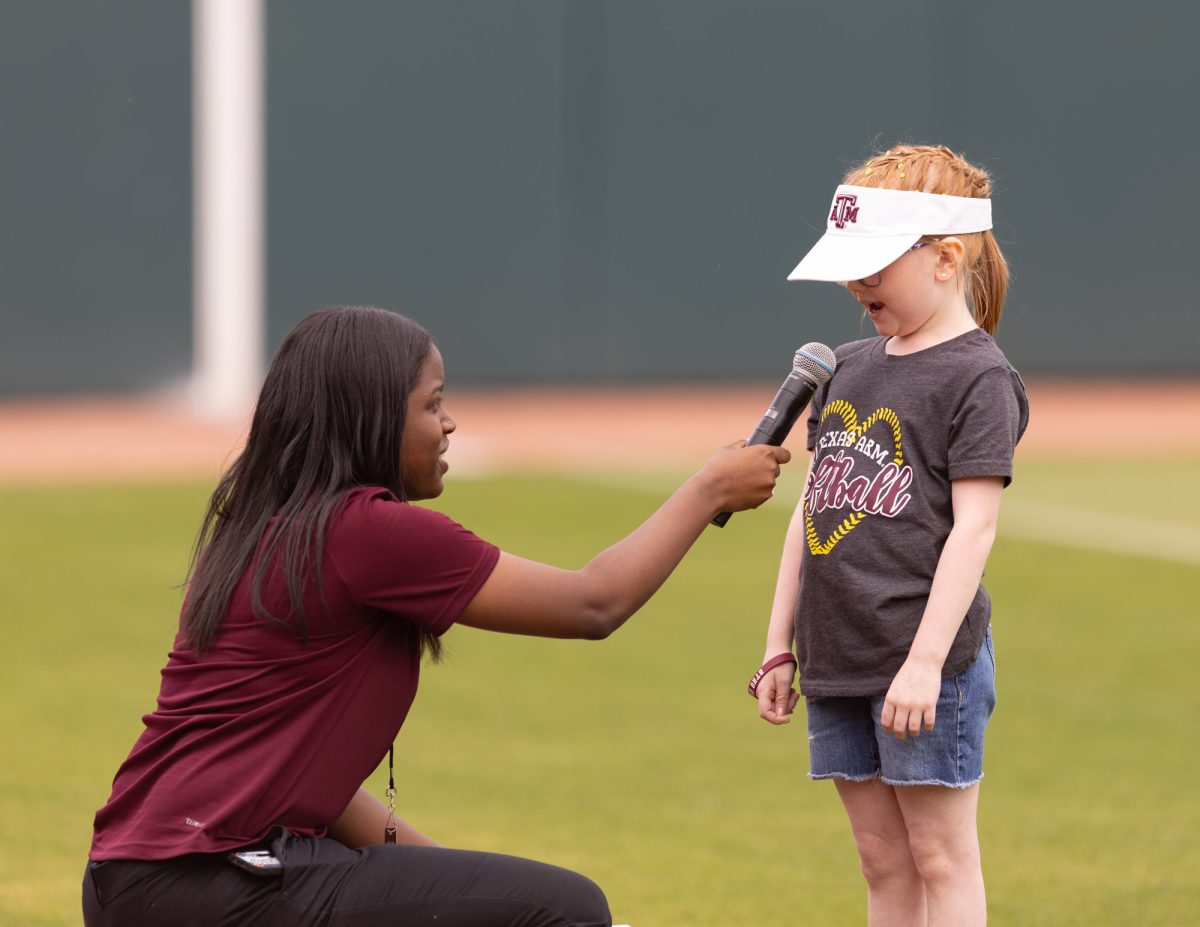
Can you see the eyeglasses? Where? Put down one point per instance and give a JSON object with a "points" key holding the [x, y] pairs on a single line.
{"points": [[877, 278]]}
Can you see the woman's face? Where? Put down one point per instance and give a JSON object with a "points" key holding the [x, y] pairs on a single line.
{"points": [[426, 431]]}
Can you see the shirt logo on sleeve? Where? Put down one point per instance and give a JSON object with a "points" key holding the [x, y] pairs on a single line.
{"points": [[871, 480]]}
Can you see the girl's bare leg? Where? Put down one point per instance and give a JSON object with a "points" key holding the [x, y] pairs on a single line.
{"points": [[943, 842], [895, 890]]}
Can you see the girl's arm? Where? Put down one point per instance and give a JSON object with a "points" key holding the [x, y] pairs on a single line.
{"points": [[363, 822], [525, 597], [776, 697], [911, 700]]}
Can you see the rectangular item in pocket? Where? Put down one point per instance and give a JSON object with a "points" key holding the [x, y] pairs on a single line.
{"points": [[259, 862]]}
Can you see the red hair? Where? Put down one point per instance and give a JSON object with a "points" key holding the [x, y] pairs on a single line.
{"points": [[937, 169]]}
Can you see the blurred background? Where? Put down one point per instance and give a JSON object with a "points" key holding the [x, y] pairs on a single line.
{"points": [[593, 205], [583, 191]]}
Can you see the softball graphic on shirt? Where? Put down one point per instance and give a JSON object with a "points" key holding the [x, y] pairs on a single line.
{"points": [[860, 470]]}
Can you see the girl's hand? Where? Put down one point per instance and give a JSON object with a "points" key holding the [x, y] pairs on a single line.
{"points": [[776, 697], [911, 702], [912, 699], [740, 477]]}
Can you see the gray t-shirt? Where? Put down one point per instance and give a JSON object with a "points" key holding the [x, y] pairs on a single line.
{"points": [[889, 434]]}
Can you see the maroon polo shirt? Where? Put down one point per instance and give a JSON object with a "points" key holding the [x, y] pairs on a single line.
{"points": [[266, 728]]}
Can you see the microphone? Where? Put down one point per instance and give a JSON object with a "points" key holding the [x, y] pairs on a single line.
{"points": [[813, 365]]}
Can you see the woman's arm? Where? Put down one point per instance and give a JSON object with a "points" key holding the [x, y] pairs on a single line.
{"points": [[525, 597], [363, 822], [912, 698]]}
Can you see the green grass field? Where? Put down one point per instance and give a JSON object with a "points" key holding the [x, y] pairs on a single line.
{"points": [[640, 760]]}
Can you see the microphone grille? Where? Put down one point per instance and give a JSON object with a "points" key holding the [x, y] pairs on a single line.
{"points": [[815, 361]]}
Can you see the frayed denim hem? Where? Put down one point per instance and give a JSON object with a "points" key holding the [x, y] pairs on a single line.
{"points": [[817, 777], [899, 783]]}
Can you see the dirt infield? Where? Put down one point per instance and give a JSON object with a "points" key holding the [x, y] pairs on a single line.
{"points": [[556, 429]]}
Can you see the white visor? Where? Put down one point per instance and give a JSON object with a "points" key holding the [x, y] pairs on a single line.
{"points": [[868, 228]]}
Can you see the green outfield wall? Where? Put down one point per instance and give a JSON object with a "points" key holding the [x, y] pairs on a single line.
{"points": [[595, 190]]}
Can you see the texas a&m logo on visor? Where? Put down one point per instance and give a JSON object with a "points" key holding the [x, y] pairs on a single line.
{"points": [[844, 210]]}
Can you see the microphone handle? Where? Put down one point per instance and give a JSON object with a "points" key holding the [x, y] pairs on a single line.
{"points": [[777, 421]]}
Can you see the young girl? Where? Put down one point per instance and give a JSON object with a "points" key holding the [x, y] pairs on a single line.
{"points": [[879, 586], [315, 592]]}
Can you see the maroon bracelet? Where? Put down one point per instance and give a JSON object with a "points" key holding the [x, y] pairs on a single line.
{"points": [[766, 668]]}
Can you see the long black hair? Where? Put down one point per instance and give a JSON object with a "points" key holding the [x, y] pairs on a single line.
{"points": [[330, 417]]}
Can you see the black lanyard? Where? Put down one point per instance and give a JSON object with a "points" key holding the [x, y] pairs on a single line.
{"points": [[389, 829]]}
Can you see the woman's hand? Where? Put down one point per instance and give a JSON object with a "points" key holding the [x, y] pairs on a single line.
{"points": [[776, 697], [740, 477], [911, 703]]}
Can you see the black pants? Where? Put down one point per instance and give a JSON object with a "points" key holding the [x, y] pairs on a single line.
{"points": [[324, 883]]}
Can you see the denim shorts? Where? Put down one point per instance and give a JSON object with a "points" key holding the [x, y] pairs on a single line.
{"points": [[846, 740]]}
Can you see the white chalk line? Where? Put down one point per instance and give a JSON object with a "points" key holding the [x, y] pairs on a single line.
{"points": [[1047, 522], [1110, 532]]}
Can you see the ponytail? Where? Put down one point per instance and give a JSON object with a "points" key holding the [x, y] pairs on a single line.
{"points": [[987, 282]]}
